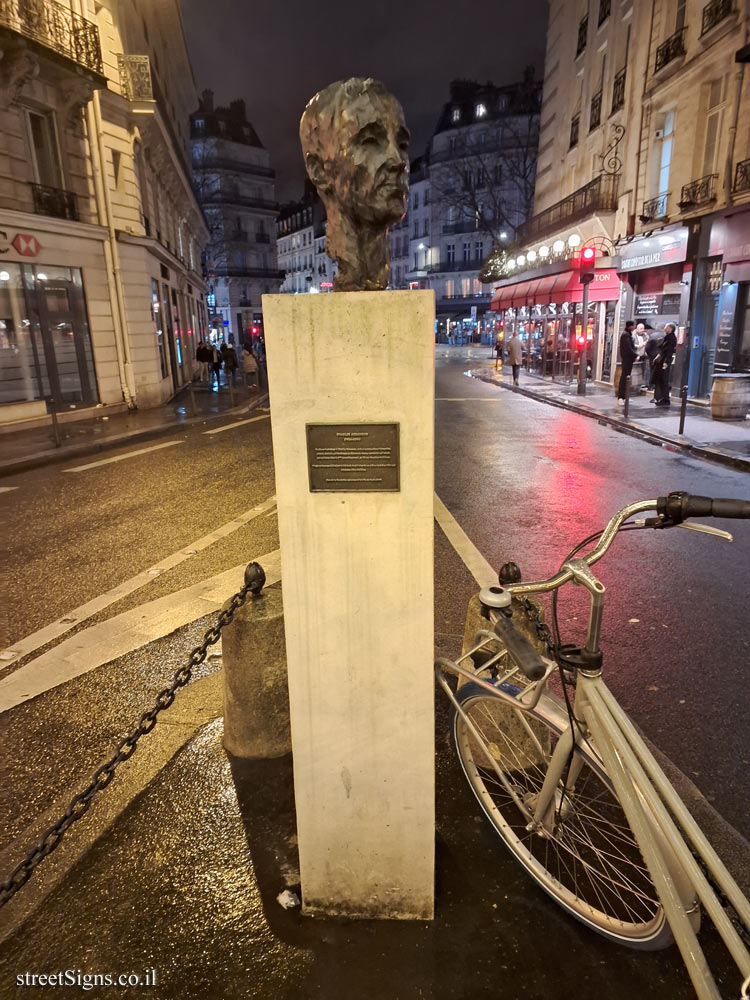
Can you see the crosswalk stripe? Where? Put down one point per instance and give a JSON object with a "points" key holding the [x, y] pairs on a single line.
{"points": [[237, 423], [121, 458]]}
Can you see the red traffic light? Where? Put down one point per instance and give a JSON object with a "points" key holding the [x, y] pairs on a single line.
{"points": [[584, 259], [254, 330], [588, 255]]}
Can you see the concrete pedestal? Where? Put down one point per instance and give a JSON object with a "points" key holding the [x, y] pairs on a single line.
{"points": [[357, 566]]}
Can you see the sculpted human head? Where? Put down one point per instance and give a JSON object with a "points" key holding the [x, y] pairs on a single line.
{"points": [[355, 143]]}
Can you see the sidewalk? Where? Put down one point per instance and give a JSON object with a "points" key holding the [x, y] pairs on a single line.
{"points": [[28, 449], [723, 441]]}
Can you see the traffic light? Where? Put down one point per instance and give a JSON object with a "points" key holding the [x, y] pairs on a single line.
{"points": [[584, 261], [254, 330]]}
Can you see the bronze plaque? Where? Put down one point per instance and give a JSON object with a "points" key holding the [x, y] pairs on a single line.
{"points": [[353, 458]]}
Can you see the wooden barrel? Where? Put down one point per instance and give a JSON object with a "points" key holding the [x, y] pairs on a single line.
{"points": [[730, 397]]}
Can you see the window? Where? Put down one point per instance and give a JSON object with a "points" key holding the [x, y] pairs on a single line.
{"points": [[467, 250], [480, 111], [450, 253], [425, 227], [44, 148], [713, 125], [665, 153], [199, 124], [450, 289], [679, 20], [456, 115], [478, 250], [415, 200]]}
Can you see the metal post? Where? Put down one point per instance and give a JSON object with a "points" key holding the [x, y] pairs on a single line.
{"points": [[627, 397], [683, 408], [55, 427], [230, 382], [585, 332], [192, 398]]}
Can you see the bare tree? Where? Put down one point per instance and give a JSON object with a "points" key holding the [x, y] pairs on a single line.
{"points": [[209, 183]]}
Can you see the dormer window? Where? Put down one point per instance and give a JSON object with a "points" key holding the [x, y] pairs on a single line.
{"points": [[456, 115], [480, 111]]}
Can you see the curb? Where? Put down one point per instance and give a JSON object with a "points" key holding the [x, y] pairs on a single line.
{"points": [[704, 452], [52, 455]]}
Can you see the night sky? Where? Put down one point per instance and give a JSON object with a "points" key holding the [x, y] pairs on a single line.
{"points": [[277, 53]]}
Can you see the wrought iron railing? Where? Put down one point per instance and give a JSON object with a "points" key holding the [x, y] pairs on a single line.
{"points": [[595, 112], [55, 202], [741, 176], [605, 9], [230, 197], [210, 163], [583, 31], [618, 90], [135, 77], [248, 272], [714, 13], [698, 192], [56, 27], [575, 124], [670, 49], [599, 195], [655, 208], [455, 265]]}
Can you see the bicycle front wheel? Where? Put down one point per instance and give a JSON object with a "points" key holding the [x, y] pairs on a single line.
{"points": [[585, 856]]}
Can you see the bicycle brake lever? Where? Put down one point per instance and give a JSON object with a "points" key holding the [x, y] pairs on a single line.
{"points": [[707, 529]]}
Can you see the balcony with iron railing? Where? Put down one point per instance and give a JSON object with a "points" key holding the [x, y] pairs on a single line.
{"points": [[455, 265], [583, 31], [599, 195], [670, 49], [57, 29], [655, 208], [595, 112], [231, 197], [698, 192], [209, 164], [54, 202], [741, 177], [714, 13], [618, 90], [135, 77]]}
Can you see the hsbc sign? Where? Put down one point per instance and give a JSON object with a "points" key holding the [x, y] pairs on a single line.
{"points": [[26, 245]]}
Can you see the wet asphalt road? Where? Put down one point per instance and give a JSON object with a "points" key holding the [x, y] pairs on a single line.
{"points": [[525, 481]]}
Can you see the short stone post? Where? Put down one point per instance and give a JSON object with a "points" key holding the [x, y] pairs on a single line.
{"points": [[256, 698]]}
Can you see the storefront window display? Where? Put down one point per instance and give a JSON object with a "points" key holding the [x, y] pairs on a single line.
{"points": [[45, 345]]}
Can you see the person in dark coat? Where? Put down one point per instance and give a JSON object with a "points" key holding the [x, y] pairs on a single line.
{"points": [[662, 365], [628, 354], [653, 344]]}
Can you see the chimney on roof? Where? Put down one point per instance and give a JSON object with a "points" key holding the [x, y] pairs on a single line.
{"points": [[207, 101]]}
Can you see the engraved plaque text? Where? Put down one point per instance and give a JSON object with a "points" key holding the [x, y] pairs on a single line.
{"points": [[349, 458]]}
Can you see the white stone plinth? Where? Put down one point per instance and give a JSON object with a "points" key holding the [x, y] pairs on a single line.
{"points": [[357, 569]]}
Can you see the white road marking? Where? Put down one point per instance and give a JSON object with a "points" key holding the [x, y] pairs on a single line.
{"points": [[467, 399], [107, 640], [93, 607], [237, 423], [121, 458], [470, 555], [7, 489]]}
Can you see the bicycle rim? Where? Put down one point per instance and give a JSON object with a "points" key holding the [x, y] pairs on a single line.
{"points": [[586, 858]]}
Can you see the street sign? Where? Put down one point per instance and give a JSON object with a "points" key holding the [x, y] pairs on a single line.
{"points": [[473, 312]]}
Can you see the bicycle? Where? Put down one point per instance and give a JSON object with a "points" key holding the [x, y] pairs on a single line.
{"points": [[569, 784]]}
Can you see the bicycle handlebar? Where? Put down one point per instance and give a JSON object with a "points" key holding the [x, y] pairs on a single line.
{"points": [[671, 510]]}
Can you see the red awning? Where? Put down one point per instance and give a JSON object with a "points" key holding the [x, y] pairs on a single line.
{"points": [[524, 294], [542, 295], [604, 288], [500, 300]]}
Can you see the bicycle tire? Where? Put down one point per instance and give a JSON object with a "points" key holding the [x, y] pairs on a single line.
{"points": [[576, 860]]}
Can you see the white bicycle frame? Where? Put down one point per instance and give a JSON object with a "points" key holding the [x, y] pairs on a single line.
{"points": [[650, 803]]}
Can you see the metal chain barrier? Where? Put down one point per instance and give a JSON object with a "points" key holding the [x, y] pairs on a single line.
{"points": [[80, 804], [543, 633]]}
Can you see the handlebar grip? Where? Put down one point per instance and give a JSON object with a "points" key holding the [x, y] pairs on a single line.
{"points": [[519, 647], [677, 506]]}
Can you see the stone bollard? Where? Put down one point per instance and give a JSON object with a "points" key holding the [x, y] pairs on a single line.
{"points": [[256, 696]]}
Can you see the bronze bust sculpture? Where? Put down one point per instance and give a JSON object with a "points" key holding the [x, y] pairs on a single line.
{"points": [[356, 148]]}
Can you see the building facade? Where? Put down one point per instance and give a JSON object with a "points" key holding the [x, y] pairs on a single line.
{"points": [[101, 298], [235, 185], [301, 242], [643, 155]]}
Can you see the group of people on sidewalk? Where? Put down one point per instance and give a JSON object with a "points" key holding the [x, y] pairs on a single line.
{"points": [[656, 348], [211, 359]]}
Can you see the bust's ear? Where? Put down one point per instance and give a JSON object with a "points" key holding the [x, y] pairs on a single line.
{"points": [[316, 172]]}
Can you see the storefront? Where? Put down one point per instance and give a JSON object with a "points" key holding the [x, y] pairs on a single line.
{"points": [[547, 312], [720, 335]]}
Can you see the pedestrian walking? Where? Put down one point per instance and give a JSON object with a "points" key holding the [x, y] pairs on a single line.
{"points": [[216, 363], [203, 357], [628, 354], [250, 364], [515, 355], [663, 364], [230, 361]]}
